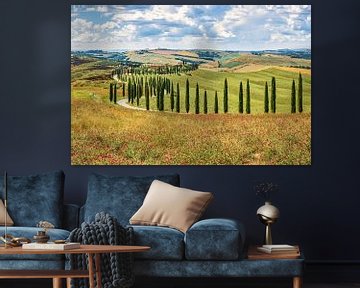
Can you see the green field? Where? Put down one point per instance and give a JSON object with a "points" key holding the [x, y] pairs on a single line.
{"points": [[212, 81], [107, 134]]}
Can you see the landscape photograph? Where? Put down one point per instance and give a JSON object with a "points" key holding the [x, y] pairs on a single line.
{"points": [[191, 85]]}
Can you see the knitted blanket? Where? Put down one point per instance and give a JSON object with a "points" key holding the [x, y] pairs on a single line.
{"points": [[116, 268]]}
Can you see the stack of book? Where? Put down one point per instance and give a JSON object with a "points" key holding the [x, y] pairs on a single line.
{"points": [[279, 249], [51, 246], [274, 252]]}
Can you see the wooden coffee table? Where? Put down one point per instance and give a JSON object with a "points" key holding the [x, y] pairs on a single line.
{"points": [[92, 251]]}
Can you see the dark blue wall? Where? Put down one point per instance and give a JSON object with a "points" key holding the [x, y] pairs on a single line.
{"points": [[318, 203]]}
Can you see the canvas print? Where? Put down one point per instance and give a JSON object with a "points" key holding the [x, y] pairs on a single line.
{"points": [[191, 85]]}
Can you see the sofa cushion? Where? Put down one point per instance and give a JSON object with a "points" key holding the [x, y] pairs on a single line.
{"points": [[170, 206], [39, 264], [120, 196], [9, 221], [35, 198], [165, 243], [29, 232], [214, 239]]}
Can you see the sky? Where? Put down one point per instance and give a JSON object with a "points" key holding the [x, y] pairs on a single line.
{"points": [[220, 27]]}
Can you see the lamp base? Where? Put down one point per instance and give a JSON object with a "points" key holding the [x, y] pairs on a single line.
{"points": [[268, 237]]}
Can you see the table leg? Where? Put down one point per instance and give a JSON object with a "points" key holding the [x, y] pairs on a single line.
{"points": [[297, 282], [98, 270], [57, 283], [68, 282], [91, 270]]}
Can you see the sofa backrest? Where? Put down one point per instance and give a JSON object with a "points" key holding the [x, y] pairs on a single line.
{"points": [[120, 196], [35, 198], [70, 219]]}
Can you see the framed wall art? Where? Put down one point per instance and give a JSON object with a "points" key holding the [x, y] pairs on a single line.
{"points": [[191, 85]]}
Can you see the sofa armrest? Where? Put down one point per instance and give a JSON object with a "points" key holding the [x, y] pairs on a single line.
{"points": [[215, 239], [71, 216]]}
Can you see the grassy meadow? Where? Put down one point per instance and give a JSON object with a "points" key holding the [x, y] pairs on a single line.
{"points": [[106, 134], [103, 133]]}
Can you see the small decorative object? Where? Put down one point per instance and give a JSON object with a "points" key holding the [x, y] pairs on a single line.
{"points": [[268, 213], [11, 241], [41, 236]]}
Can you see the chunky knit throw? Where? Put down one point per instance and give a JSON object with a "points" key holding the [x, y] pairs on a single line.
{"points": [[116, 268]]}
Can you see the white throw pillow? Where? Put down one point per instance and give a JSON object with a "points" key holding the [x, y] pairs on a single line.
{"points": [[170, 206], [9, 221]]}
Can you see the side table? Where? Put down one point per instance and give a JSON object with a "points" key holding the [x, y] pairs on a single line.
{"points": [[93, 251], [255, 255]]}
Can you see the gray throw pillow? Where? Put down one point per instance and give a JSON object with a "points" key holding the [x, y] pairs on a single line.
{"points": [[35, 198], [120, 196]]}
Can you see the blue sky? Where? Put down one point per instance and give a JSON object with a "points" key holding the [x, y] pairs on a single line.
{"points": [[223, 27]]}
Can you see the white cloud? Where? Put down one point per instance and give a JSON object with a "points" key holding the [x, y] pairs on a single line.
{"points": [[239, 27], [237, 16], [172, 14], [127, 32], [97, 8], [106, 26], [222, 29]]}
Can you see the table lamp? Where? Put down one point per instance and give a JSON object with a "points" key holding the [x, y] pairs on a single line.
{"points": [[268, 214]]}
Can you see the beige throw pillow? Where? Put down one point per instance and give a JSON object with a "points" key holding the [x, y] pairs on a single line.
{"points": [[9, 221], [170, 206]]}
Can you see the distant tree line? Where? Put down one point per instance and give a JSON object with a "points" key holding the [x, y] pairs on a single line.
{"points": [[160, 87], [151, 69]]}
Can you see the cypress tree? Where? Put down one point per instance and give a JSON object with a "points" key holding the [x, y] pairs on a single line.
{"points": [[133, 92], [129, 90], [135, 95], [273, 95], [248, 97], [225, 96], [111, 92], [123, 89], [197, 104], [205, 103], [187, 97], [162, 92], [115, 94], [172, 96], [300, 95], [147, 98], [177, 98], [293, 98], [157, 96], [241, 98], [266, 98], [139, 88], [216, 104]]}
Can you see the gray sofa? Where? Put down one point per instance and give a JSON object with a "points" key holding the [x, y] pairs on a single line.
{"points": [[32, 199], [210, 248]]}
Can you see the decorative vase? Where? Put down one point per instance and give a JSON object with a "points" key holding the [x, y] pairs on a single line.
{"points": [[268, 214], [41, 237]]}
